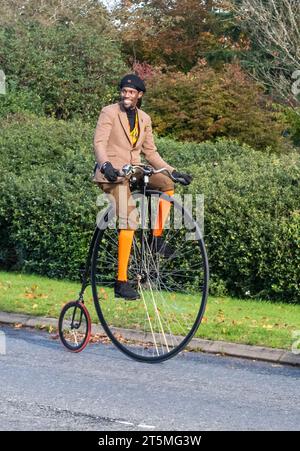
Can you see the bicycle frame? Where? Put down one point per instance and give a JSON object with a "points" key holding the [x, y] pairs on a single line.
{"points": [[86, 272]]}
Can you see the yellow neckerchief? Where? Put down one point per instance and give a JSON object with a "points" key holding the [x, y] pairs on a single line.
{"points": [[134, 134]]}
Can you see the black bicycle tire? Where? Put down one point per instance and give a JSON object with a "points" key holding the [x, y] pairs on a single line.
{"points": [[85, 342], [189, 336]]}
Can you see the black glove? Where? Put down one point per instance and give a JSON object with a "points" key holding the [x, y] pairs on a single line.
{"points": [[110, 173], [184, 179]]}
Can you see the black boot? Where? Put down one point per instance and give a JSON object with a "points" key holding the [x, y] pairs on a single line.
{"points": [[125, 290], [158, 245]]}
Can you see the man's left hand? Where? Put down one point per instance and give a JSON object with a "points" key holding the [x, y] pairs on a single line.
{"points": [[184, 179]]}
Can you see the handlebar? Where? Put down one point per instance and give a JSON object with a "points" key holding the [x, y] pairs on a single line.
{"points": [[128, 170]]}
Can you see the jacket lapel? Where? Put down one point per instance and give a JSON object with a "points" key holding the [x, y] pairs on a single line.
{"points": [[141, 126], [124, 122]]}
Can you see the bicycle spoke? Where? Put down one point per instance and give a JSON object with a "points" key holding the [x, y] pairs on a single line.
{"points": [[150, 324], [157, 314]]}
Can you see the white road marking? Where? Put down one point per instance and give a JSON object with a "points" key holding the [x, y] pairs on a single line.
{"points": [[125, 422], [145, 426]]}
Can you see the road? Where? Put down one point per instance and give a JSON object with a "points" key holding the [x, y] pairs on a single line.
{"points": [[44, 387]]}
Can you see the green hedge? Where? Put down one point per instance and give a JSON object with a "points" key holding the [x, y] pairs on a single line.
{"points": [[47, 207], [252, 216]]}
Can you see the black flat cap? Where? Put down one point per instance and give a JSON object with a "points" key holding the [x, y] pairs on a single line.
{"points": [[133, 81]]}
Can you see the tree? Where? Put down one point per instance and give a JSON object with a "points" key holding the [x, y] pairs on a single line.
{"points": [[53, 12], [274, 28], [176, 33]]}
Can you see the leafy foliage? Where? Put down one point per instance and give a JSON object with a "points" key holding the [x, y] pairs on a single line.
{"points": [[71, 70], [252, 217], [292, 117], [205, 104], [48, 211], [47, 200], [91, 12], [178, 33], [273, 31]]}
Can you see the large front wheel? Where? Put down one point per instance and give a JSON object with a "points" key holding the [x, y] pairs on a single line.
{"points": [[172, 285]]}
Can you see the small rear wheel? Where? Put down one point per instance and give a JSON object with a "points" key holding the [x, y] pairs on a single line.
{"points": [[74, 326]]}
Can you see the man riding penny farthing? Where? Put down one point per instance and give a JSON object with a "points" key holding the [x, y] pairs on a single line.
{"points": [[149, 280]]}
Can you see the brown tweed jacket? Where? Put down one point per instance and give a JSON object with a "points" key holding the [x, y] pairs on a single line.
{"points": [[112, 141]]}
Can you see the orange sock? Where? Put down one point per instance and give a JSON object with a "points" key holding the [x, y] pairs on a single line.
{"points": [[163, 213], [124, 248]]}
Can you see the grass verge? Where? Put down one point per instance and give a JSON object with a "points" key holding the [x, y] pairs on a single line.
{"points": [[236, 320]]}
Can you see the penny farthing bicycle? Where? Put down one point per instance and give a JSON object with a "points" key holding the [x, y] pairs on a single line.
{"points": [[173, 290]]}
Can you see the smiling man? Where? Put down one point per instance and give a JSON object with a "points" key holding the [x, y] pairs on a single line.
{"points": [[123, 133]]}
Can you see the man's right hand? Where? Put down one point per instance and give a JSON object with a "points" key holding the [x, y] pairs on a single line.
{"points": [[110, 173]]}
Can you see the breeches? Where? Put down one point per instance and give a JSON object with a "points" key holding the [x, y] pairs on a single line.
{"points": [[125, 205]]}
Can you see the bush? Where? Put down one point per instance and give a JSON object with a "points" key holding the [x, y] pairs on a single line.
{"points": [[47, 206], [292, 117], [252, 216], [27, 142], [53, 222], [205, 104], [18, 101], [73, 70]]}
